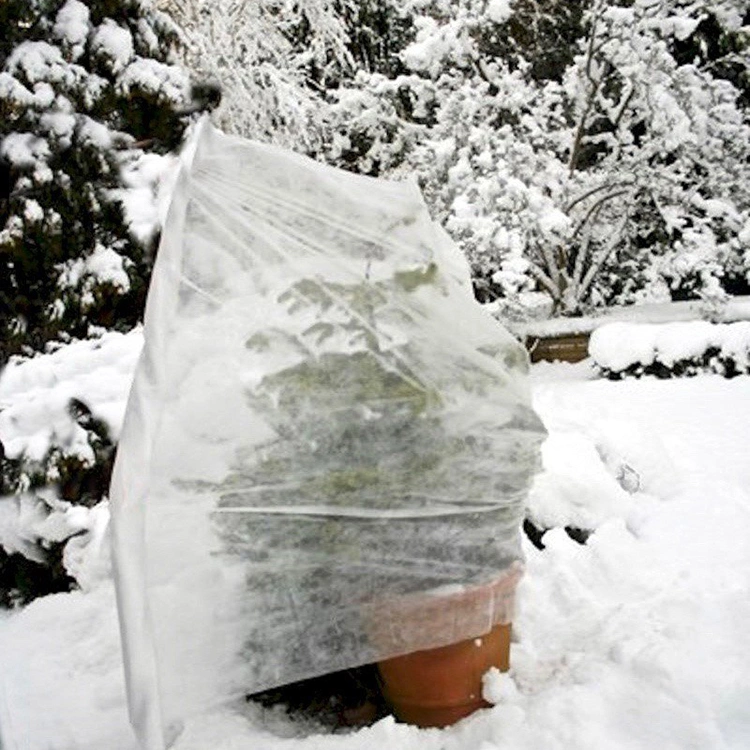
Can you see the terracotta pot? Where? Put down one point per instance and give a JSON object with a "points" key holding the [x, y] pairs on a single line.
{"points": [[439, 686], [433, 682]]}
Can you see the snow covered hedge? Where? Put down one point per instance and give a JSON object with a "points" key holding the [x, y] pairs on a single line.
{"points": [[669, 350]]}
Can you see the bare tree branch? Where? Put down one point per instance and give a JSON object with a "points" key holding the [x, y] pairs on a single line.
{"points": [[544, 280], [594, 191], [601, 257], [597, 206]]}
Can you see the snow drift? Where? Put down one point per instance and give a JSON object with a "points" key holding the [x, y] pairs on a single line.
{"points": [[325, 436]]}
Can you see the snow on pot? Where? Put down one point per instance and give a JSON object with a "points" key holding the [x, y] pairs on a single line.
{"points": [[324, 428]]}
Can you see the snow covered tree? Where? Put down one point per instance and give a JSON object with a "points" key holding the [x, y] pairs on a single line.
{"points": [[281, 66], [83, 87], [658, 188], [271, 59], [584, 153]]}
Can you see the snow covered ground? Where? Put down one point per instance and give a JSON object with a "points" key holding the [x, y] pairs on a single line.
{"points": [[636, 640]]}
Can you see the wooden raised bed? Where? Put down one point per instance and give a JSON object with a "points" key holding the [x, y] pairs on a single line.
{"points": [[567, 348]]}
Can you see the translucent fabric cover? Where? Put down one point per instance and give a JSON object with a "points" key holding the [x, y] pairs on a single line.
{"points": [[327, 445]]}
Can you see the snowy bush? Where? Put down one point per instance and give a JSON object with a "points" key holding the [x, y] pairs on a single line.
{"points": [[34, 530], [57, 454], [44, 505], [669, 350]]}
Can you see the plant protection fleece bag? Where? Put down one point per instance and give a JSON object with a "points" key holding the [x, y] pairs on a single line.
{"points": [[328, 442]]}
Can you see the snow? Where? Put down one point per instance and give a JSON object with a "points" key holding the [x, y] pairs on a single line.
{"points": [[34, 393], [636, 640], [42, 173], [432, 43], [553, 220], [104, 264], [115, 43], [72, 25], [151, 76], [13, 91], [147, 36], [681, 27], [59, 124], [500, 10], [27, 520], [13, 229], [617, 346], [144, 195], [98, 135], [24, 149], [576, 488], [40, 61], [33, 212]]}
